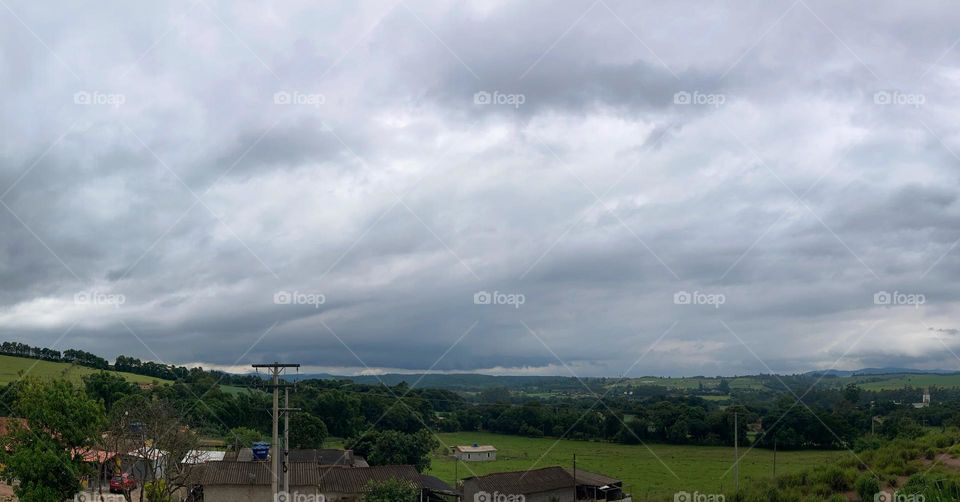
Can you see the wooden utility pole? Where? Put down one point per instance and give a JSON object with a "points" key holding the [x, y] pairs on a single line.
{"points": [[286, 440], [574, 477], [774, 457], [736, 452], [275, 370]]}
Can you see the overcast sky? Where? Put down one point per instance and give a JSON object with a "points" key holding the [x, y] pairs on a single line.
{"points": [[664, 188]]}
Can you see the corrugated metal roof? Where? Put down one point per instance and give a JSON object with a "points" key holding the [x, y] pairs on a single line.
{"points": [[539, 480], [521, 482], [476, 449], [593, 479], [436, 484], [324, 456], [355, 480], [327, 478]]}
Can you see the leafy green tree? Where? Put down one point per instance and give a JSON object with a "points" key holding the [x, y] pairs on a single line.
{"points": [[724, 386], [495, 395], [307, 431], [851, 393], [46, 456], [338, 410], [108, 388], [243, 437], [394, 447], [391, 490]]}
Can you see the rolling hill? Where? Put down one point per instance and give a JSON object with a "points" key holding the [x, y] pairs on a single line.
{"points": [[11, 368]]}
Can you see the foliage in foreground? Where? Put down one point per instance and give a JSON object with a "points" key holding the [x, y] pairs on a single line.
{"points": [[396, 448], [867, 473], [391, 490], [45, 456]]}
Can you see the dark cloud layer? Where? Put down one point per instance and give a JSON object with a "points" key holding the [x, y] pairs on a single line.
{"points": [[703, 188]]}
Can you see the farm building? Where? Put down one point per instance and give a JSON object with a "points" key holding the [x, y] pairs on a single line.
{"points": [[232, 481], [542, 485], [475, 453]]}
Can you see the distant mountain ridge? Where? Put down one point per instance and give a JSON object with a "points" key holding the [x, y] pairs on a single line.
{"points": [[880, 371], [473, 381], [451, 380]]}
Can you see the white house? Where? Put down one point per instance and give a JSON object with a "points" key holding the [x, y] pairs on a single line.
{"points": [[475, 453], [202, 456]]}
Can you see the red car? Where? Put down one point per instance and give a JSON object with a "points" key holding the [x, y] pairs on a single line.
{"points": [[122, 483]]}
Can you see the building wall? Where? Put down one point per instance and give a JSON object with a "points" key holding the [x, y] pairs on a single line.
{"points": [[252, 493], [470, 491], [476, 456]]}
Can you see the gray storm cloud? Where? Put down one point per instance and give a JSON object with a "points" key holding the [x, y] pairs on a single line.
{"points": [[187, 182]]}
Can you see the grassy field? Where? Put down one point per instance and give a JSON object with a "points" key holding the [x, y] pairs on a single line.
{"points": [[10, 368], [693, 383], [683, 468], [888, 382]]}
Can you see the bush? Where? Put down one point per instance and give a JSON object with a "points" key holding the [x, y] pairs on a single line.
{"points": [[867, 486], [392, 490], [834, 478]]}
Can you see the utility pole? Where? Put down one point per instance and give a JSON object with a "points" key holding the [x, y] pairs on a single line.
{"points": [[275, 370], [774, 457], [286, 439], [574, 477], [736, 451]]}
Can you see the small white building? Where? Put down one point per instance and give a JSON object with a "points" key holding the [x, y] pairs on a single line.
{"points": [[202, 456], [475, 453]]}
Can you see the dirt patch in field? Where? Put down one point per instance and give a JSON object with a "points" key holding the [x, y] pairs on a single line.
{"points": [[6, 493], [947, 460]]}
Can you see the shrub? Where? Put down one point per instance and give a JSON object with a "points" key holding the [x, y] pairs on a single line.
{"points": [[867, 486]]}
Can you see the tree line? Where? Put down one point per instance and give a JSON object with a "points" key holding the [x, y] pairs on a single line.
{"points": [[124, 363]]}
